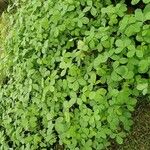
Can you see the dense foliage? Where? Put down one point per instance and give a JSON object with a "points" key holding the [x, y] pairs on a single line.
{"points": [[74, 69]]}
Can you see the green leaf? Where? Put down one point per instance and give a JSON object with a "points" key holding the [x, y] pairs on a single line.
{"points": [[66, 105], [129, 75], [134, 2], [143, 66], [145, 91], [147, 16], [100, 59], [67, 116], [97, 61], [79, 101], [89, 2], [139, 53], [123, 23], [86, 9], [142, 86], [133, 29], [82, 81], [122, 70], [45, 23], [146, 1], [147, 12], [130, 54], [59, 126], [119, 140], [116, 64], [84, 99], [85, 20], [118, 50], [123, 60], [75, 86], [56, 32], [93, 11], [115, 77], [93, 77], [119, 43], [139, 15], [52, 88], [91, 121], [73, 94], [82, 45], [92, 44], [92, 95], [71, 8], [72, 102], [102, 134], [80, 24], [63, 72], [71, 79]]}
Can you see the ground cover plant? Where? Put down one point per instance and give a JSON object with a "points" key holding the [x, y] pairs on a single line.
{"points": [[73, 72], [139, 136]]}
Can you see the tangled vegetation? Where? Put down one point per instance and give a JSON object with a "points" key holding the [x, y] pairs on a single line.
{"points": [[73, 72]]}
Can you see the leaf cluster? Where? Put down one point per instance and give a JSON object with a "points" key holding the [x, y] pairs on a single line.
{"points": [[75, 70]]}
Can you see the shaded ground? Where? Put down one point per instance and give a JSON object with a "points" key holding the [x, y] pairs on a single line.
{"points": [[3, 5], [139, 138]]}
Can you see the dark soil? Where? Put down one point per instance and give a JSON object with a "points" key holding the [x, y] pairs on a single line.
{"points": [[3, 5]]}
